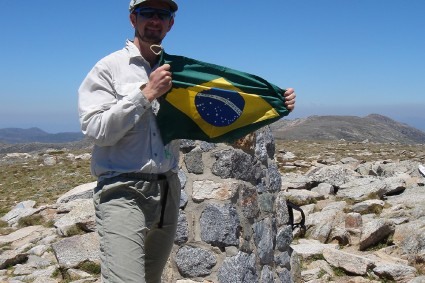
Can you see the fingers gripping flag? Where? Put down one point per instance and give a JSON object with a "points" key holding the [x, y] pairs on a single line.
{"points": [[214, 103]]}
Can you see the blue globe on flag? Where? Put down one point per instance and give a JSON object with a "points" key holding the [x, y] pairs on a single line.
{"points": [[219, 107]]}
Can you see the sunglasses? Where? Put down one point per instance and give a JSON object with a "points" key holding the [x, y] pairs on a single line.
{"points": [[149, 13]]}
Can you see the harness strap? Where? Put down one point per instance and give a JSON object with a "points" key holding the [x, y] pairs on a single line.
{"points": [[291, 206]]}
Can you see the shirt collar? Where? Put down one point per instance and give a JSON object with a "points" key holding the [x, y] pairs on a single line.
{"points": [[135, 52], [132, 49]]}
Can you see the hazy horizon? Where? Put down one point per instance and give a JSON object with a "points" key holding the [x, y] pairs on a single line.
{"points": [[52, 128]]}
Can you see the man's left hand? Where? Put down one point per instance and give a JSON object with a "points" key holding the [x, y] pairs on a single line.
{"points": [[290, 98]]}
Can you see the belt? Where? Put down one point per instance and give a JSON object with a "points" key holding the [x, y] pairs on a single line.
{"points": [[144, 176], [152, 177]]}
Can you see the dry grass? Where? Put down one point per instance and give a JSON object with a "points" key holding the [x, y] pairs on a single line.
{"points": [[30, 180], [337, 150]]}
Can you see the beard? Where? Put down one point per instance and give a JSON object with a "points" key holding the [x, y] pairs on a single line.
{"points": [[151, 36]]}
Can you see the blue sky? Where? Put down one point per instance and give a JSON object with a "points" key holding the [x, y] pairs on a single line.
{"points": [[343, 57]]}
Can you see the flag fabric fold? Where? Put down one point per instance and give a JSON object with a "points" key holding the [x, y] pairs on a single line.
{"points": [[214, 103]]}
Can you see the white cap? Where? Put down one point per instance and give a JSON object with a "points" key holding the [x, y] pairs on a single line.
{"points": [[134, 3]]}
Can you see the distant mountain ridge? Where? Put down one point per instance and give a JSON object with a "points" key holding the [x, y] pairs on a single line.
{"points": [[374, 128], [18, 135]]}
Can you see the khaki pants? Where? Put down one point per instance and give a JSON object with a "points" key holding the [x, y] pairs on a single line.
{"points": [[136, 231]]}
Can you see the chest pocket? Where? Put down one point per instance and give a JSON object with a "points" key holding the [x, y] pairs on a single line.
{"points": [[124, 89]]}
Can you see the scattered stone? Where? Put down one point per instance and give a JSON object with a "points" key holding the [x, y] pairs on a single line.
{"points": [[22, 209], [324, 189], [349, 160], [81, 216], [84, 191], [395, 272], [19, 234], [419, 279], [50, 161], [368, 206], [84, 156], [311, 274], [71, 252], [76, 274], [334, 174], [341, 235], [288, 156], [18, 155], [311, 248], [351, 263], [353, 220], [375, 231], [233, 219], [295, 182], [302, 197], [9, 258], [361, 189], [320, 224]]}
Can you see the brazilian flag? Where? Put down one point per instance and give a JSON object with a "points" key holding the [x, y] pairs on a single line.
{"points": [[214, 103]]}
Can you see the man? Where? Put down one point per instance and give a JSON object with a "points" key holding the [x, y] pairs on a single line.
{"points": [[138, 191]]}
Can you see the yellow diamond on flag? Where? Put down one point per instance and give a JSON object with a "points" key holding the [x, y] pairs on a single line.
{"points": [[218, 107]]}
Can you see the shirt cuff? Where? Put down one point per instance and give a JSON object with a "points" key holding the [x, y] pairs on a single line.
{"points": [[139, 100]]}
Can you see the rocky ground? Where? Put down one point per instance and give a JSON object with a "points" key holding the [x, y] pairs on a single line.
{"points": [[364, 205], [365, 210]]}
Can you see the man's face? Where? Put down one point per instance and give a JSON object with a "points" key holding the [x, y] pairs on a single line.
{"points": [[151, 21]]}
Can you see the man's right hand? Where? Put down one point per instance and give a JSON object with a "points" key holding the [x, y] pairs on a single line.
{"points": [[159, 83]]}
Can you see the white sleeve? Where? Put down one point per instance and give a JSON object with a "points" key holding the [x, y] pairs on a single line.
{"points": [[103, 117]]}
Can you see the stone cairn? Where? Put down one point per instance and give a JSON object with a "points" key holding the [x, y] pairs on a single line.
{"points": [[233, 223]]}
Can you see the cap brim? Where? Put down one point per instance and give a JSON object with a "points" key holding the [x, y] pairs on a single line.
{"points": [[172, 4]]}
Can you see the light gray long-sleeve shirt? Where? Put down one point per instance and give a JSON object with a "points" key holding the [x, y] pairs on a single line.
{"points": [[121, 121]]}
